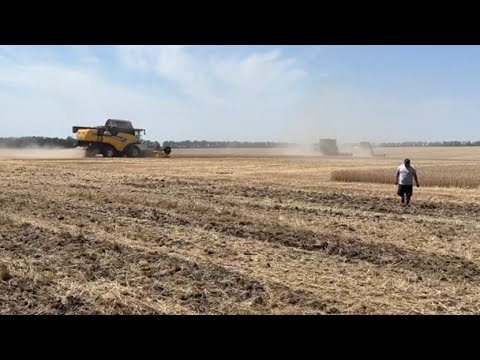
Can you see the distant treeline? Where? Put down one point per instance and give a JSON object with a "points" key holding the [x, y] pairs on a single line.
{"points": [[222, 144], [69, 142], [29, 141], [432, 143], [21, 142]]}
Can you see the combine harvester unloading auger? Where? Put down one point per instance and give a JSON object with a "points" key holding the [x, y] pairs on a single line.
{"points": [[117, 138]]}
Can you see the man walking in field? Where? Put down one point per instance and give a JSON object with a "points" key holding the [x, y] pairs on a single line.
{"points": [[404, 179]]}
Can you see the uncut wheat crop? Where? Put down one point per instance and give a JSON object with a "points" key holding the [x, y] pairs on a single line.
{"points": [[460, 176]]}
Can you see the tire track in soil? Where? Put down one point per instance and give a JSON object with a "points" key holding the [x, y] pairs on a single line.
{"points": [[332, 244], [342, 200], [455, 268], [25, 296], [426, 264], [88, 259], [444, 228]]}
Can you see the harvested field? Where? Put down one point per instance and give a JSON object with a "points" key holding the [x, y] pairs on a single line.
{"points": [[223, 235]]}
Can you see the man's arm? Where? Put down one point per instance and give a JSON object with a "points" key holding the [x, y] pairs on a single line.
{"points": [[416, 179], [396, 177]]}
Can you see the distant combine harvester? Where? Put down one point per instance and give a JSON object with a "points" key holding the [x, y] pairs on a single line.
{"points": [[365, 149], [328, 147]]}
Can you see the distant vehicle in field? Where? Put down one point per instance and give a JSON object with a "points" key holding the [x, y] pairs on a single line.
{"points": [[365, 149], [117, 138], [328, 147]]}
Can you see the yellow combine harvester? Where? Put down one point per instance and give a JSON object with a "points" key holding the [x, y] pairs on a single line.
{"points": [[118, 138]]}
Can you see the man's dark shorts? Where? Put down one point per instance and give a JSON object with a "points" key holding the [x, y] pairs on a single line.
{"points": [[405, 190]]}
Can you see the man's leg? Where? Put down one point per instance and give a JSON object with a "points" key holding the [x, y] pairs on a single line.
{"points": [[401, 193], [409, 195]]}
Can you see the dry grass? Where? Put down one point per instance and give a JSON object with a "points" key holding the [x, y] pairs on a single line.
{"points": [[231, 236], [459, 176]]}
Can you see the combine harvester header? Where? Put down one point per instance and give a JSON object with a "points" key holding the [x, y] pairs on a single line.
{"points": [[365, 149], [117, 138]]}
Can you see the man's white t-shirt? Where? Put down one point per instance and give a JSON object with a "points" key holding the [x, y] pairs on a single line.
{"points": [[406, 175]]}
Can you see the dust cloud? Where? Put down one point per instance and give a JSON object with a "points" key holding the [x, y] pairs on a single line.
{"points": [[298, 150], [355, 121], [40, 153]]}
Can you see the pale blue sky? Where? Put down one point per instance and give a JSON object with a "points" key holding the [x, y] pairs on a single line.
{"points": [[246, 93]]}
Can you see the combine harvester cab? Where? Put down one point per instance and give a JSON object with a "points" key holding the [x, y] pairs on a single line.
{"points": [[117, 138]]}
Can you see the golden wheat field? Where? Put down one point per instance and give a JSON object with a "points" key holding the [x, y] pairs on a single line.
{"points": [[243, 233]]}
